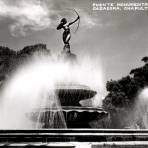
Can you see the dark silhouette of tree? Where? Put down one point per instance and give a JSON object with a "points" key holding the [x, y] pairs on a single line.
{"points": [[29, 50], [144, 59], [6, 55], [122, 93], [10, 59]]}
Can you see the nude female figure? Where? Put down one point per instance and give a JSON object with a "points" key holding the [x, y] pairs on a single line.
{"points": [[66, 34]]}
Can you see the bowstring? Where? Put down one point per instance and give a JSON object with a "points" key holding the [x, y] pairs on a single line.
{"points": [[77, 15]]}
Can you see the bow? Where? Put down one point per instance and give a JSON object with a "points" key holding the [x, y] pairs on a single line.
{"points": [[78, 20]]}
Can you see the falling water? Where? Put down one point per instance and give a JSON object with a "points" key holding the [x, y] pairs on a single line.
{"points": [[31, 87], [47, 117], [142, 104]]}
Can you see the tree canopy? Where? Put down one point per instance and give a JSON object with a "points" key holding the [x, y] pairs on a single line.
{"points": [[122, 93]]}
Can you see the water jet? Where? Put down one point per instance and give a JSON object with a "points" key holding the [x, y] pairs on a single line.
{"points": [[75, 115]]}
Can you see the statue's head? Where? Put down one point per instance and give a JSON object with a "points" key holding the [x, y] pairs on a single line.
{"points": [[63, 20]]}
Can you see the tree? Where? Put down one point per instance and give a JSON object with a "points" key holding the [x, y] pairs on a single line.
{"points": [[10, 59], [121, 93]]}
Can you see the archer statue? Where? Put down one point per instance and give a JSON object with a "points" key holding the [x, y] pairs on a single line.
{"points": [[66, 34]]}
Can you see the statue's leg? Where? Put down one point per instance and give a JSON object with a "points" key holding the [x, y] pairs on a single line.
{"points": [[64, 37], [68, 38]]}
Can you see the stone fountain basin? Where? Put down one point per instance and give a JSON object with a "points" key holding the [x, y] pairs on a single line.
{"points": [[78, 117], [70, 95]]}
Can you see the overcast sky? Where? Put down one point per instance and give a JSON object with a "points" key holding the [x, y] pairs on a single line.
{"points": [[119, 39]]}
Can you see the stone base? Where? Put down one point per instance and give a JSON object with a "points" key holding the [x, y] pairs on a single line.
{"points": [[72, 138], [75, 117]]}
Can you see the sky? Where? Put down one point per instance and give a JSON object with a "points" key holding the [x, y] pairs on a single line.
{"points": [[119, 39]]}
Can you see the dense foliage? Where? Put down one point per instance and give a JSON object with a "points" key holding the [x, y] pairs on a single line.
{"points": [[10, 59], [122, 93]]}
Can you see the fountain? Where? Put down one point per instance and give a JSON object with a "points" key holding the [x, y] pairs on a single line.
{"points": [[66, 111], [75, 115]]}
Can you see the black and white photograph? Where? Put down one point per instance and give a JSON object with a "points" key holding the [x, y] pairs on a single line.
{"points": [[74, 73]]}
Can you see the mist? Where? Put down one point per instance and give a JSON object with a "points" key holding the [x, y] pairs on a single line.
{"points": [[33, 82]]}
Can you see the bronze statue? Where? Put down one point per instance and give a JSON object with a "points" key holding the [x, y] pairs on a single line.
{"points": [[66, 34]]}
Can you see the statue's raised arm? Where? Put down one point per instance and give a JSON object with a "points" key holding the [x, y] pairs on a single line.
{"points": [[74, 21]]}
